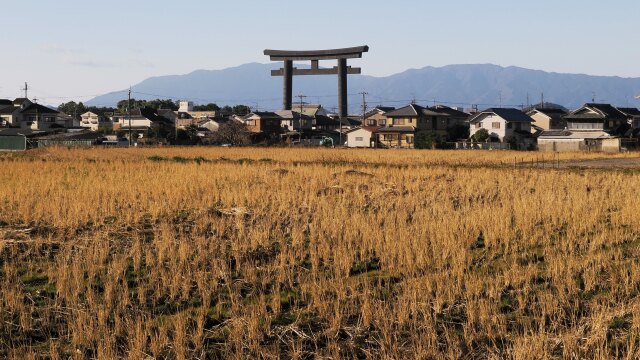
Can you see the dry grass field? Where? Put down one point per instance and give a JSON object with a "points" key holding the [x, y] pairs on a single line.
{"points": [[316, 253]]}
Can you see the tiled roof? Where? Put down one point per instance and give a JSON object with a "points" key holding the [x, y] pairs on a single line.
{"points": [[396, 129], [629, 111], [509, 114]]}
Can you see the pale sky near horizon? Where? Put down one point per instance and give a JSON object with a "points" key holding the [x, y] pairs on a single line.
{"points": [[72, 50]]}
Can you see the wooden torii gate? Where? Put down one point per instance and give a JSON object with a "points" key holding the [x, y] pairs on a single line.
{"points": [[342, 70]]}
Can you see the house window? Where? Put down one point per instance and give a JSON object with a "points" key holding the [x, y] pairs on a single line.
{"points": [[398, 121], [495, 125], [382, 122], [387, 137], [371, 122], [409, 139], [359, 138], [518, 126], [251, 123], [478, 125]]}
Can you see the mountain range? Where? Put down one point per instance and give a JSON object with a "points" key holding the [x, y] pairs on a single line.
{"points": [[484, 85]]}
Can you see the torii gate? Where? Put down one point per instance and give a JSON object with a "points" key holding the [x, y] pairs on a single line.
{"points": [[342, 70]]}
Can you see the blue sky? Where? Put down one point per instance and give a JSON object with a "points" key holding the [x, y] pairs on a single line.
{"points": [[72, 49]]}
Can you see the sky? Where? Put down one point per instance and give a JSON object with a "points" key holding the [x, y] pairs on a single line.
{"points": [[73, 50]]}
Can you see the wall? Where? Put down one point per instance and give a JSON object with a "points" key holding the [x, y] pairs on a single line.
{"points": [[364, 134]]}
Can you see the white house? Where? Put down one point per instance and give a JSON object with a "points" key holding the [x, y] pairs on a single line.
{"points": [[502, 123], [362, 136]]}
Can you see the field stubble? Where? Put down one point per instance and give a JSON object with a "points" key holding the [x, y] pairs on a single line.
{"points": [[278, 253]]}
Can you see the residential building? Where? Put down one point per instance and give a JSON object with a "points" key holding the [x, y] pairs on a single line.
{"points": [[633, 116], [363, 137], [504, 125], [592, 127], [377, 116], [142, 120], [548, 118], [593, 116], [25, 114], [263, 122], [294, 121], [397, 136], [94, 121]]}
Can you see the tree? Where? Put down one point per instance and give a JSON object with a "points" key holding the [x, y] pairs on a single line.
{"points": [[208, 107], [427, 140], [457, 132], [481, 135], [241, 110], [72, 108], [233, 133]]}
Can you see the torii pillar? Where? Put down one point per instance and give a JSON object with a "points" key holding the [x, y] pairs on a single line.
{"points": [[342, 70]]}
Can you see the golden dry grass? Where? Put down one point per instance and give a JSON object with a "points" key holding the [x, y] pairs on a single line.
{"points": [[300, 253]]}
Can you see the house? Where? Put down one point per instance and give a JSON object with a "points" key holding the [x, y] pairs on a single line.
{"points": [[399, 136], [94, 122], [362, 137], [578, 140], [294, 121], [504, 125], [633, 116], [312, 110], [404, 123], [592, 127], [593, 116], [376, 116], [142, 120], [25, 114], [455, 121], [325, 123], [265, 122], [548, 118]]}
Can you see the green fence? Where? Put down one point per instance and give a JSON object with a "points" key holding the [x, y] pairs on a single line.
{"points": [[13, 143]]}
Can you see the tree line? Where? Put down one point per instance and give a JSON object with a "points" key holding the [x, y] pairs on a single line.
{"points": [[76, 109]]}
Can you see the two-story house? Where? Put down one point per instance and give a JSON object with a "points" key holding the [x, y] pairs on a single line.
{"points": [[265, 122], [503, 124]]}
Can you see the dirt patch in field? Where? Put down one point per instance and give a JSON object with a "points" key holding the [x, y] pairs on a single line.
{"points": [[628, 163]]}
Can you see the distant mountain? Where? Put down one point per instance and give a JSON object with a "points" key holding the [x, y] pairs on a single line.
{"points": [[456, 85]]}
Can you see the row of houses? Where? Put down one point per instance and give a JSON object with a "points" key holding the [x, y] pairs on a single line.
{"points": [[590, 127], [600, 127]]}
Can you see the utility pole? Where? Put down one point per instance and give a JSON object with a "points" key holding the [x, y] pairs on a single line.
{"points": [[26, 90], [302, 97], [35, 100], [542, 100], [129, 111], [364, 106]]}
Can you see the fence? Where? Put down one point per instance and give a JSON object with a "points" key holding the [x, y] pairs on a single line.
{"points": [[13, 143], [463, 145]]}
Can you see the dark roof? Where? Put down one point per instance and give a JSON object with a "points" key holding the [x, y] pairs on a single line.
{"points": [[604, 111], [509, 114], [8, 109], [263, 114], [19, 101], [321, 120], [550, 112], [407, 111], [449, 111], [19, 131], [5, 102], [414, 110], [41, 109], [396, 129], [630, 111]]}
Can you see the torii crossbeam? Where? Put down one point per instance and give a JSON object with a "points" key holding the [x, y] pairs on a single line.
{"points": [[342, 70]]}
